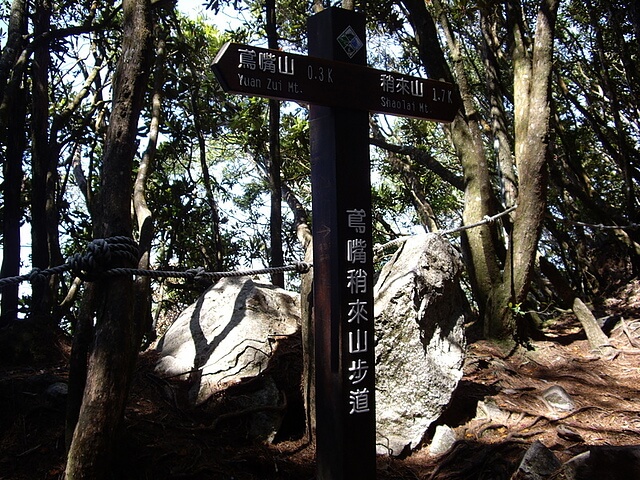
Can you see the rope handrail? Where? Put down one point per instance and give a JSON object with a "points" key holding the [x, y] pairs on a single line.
{"points": [[201, 274], [101, 253], [487, 219], [599, 226]]}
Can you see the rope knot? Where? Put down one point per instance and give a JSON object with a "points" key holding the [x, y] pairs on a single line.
{"points": [[302, 267], [102, 255], [36, 276], [197, 274]]}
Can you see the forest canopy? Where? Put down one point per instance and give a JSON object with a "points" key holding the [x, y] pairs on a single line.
{"points": [[202, 154]]}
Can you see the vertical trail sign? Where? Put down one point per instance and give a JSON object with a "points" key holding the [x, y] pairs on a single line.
{"points": [[342, 265], [341, 91]]}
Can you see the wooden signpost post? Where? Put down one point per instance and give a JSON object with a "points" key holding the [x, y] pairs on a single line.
{"points": [[341, 91]]}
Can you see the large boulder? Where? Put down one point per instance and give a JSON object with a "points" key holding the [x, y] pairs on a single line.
{"points": [[230, 338], [420, 340], [230, 334]]}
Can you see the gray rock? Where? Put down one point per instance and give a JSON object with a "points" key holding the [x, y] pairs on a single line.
{"points": [[56, 394], [567, 433], [420, 340], [577, 467], [538, 463], [443, 439], [228, 335], [58, 390], [557, 398], [488, 410], [604, 463], [264, 407]]}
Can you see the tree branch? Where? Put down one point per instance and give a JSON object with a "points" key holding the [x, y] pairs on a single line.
{"points": [[422, 157]]}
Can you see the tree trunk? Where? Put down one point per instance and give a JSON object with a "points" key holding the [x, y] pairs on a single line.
{"points": [[308, 338], [82, 339], [277, 254], [144, 217], [415, 187], [423, 158], [42, 300], [348, 4], [12, 106], [275, 180], [532, 77], [12, 211], [499, 124], [598, 341], [217, 264], [622, 153], [532, 95], [481, 246], [486, 256], [303, 232], [12, 49], [111, 362]]}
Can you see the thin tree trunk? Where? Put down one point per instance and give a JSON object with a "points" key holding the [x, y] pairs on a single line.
{"points": [[144, 217], [532, 147], [82, 339], [308, 337], [112, 359], [12, 49], [532, 95], [486, 258], [499, 128], [275, 161], [40, 161], [480, 244], [416, 189], [12, 211], [208, 184], [622, 153], [12, 106], [422, 158], [277, 254]]}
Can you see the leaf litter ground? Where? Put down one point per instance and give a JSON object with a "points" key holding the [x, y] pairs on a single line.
{"points": [[497, 412]]}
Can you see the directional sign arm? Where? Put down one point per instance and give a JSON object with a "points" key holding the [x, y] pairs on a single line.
{"points": [[255, 71]]}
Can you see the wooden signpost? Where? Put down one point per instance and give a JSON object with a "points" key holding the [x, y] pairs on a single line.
{"points": [[312, 80], [341, 91]]}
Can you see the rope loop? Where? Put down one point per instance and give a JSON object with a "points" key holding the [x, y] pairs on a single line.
{"points": [[112, 257], [37, 276], [197, 274], [124, 248], [101, 255]]}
